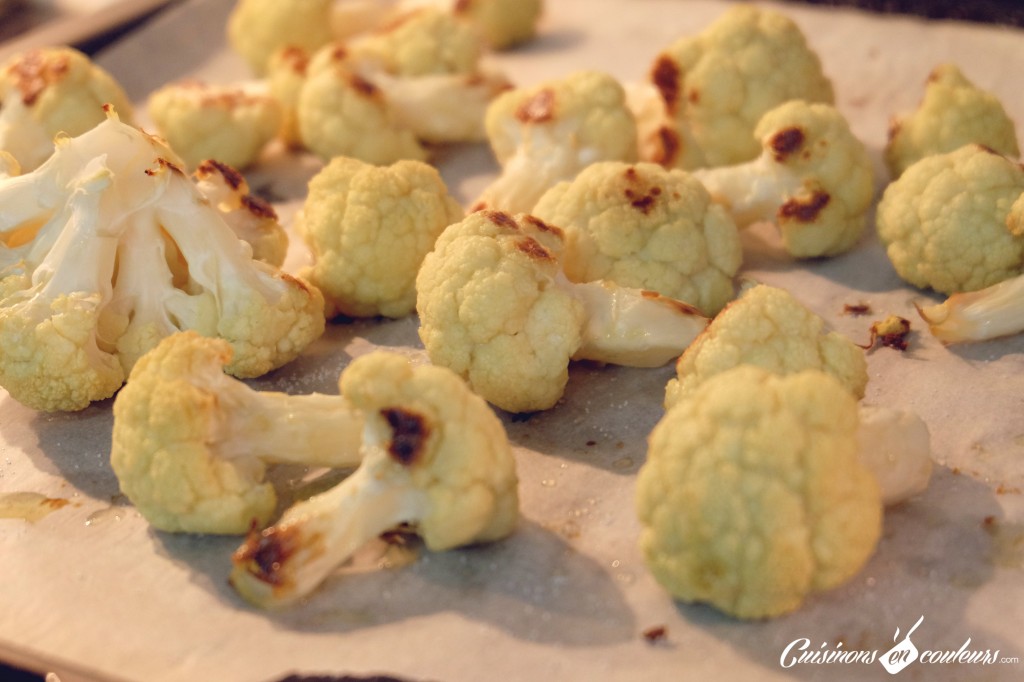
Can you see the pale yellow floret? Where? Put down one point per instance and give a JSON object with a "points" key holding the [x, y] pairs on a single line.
{"points": [[229, 123], [952, 113], [50, 91], [369, 228], [718, 84], [767, 327], [258, 28], [502, 23], [752, 497], [645, 227], [435, 458], [421, 42], [946, 221]]}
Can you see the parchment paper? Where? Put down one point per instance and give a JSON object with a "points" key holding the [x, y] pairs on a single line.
{"points": [[90, 591]]}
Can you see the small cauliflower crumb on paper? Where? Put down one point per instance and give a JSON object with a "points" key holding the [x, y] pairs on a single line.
{"points": [[104, 597]]}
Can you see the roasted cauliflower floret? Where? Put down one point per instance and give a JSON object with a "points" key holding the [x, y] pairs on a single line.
{"points": [[502, 23], [51, 91], [645, 227], [256, 29], [229, 123], [947, 223], [191, 445], [548, 133], [435, 457], [768, 328], [495, 307], [813, 179], [369, 228], [753, 497], [953, 112], [717, 85], [110, 248]]}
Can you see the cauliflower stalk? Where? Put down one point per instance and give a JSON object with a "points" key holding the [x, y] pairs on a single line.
{"points": [[191, 445], [645, 227], [109, 247], [435, 457], [548, 133], [953, 112], [717, 85], [495, 307], [49, 92], [813, 179], [753, 496], [767, 327], [229, 123], [953, 222], [369, 228]]}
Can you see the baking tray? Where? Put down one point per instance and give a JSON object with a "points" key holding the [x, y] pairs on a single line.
{"points": [[90, 591]]}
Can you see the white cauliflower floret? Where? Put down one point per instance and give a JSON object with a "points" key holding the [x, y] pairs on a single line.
{"points": [[813, 179], [52, 91], [229, 123], [645, 227], [435, 458], [495, 307], [548, 133], [116, 249], [953, 112], [190, 445], [717, 85], [947, 222], [767, 327], [369, 228]]}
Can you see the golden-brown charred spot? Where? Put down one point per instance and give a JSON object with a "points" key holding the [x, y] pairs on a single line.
{"points": [[655, 634], [669, 145], [892, 332], [295, 281], [258, 207], [679, 306], [643, 201], [295, 58], [539, 108], [478, 207], [805, 210], [856, 309], [895, 125], [501, 219], [667, 76], [631, 175], [786, 142], [409, 433], [693, 96], [164, 164], [230, 175], [534, 249], [264, 553], [34, 72], [363, 86], [338, 53], [463, 6], [542, 226]]}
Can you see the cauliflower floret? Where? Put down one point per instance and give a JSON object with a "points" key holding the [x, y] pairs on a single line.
{"points": [[368, 229], [421, 42], [645, 227], [548, 133], [813, 179], [753, 497], [718, 84], [116, 249], [258, 28], [502, 23], [286, 75], [251, 218], [946, 222], [52, 91], [953, 112], [768, 328], [435, 457], [229, 123], [495, 307], [191, 445]]}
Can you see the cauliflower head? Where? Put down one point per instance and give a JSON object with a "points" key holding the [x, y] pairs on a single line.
{"points": [[953, 112], [752, 496], [229, 123], [50, 91], [946, 221], [547, 133], [502, 23], [642, 226], [115, 249], [490, 312], [424, 41], [258, 28], [767, 327], [341, 113], [369, 228], [718, 84]]}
